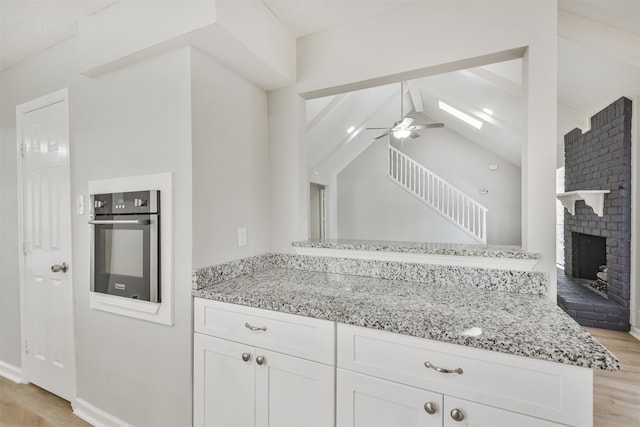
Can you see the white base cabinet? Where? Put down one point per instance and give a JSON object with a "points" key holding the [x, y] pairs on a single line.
{"points": [[224, 384], [379, 371], [256, 367], [365, 401], [238, 384]]}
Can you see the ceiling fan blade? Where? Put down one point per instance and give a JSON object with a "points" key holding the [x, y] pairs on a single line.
{"points": [[426, 126], [376, 129], [406, 122], [384, 134]]}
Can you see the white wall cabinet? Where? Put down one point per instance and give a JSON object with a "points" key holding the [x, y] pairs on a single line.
{"points": [[237, 384]]}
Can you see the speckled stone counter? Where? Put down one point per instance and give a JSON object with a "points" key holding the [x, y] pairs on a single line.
{"points": [[456, 249], [520, 324], [529, 282]]}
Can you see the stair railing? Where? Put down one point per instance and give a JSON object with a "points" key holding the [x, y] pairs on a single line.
{"points": [[444, 198]]}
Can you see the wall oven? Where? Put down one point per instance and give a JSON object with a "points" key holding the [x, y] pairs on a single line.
{"points": [[125, 250]]}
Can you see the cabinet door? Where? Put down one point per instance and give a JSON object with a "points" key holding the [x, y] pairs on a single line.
{"points": [[477, 415], [293, 392], [364, 401], [224, 383]]}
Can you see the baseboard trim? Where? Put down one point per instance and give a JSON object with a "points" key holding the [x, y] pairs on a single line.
{"points": [[96, 416], [12, 373], [635, 332]]}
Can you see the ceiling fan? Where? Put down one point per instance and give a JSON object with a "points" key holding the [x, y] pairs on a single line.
{"points": [[404, 127]]}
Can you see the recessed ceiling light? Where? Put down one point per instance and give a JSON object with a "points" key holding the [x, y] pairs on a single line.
{"points": [[488, 111], [351, 129], [459, 114]]}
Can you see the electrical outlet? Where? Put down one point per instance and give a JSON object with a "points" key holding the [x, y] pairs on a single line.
{"points": [[484, 191], [242, 236]]}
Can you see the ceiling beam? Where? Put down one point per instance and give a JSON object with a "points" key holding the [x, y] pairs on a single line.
{"points": [[495, 80], [610, 41], [322, 164], [416, 98], [326, 112]]}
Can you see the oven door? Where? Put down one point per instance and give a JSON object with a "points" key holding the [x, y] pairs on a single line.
{"points": [[124, 256]]}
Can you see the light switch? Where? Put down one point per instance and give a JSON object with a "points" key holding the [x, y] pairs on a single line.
{"points": [[242, 236], [79, 204]]}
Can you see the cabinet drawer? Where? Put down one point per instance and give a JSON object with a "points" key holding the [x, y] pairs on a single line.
{"points": [[305, 337], [550, 390]]}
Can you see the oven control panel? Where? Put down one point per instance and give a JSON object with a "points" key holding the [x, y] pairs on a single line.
{"points": [[132, 202]]}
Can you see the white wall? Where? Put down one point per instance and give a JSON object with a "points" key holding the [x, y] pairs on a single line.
{"points": [[378, 50], [372, 207], [136, 121], [288, 184], [133, 121], [230, 179]]}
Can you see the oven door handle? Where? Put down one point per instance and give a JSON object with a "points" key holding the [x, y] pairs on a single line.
{"points": [[119, 221]]}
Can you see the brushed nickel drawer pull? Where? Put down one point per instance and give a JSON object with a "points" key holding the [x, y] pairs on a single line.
{"points": [[255, 328], [458, 371]]}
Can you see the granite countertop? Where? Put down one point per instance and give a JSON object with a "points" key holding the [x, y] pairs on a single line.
{"points": [[518, 324], [457, 249]]}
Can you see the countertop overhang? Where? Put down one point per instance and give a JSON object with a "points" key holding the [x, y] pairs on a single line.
{"points": [[513, 323]]}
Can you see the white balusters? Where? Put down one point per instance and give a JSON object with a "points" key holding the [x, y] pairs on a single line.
{"points": [[437, 193]]}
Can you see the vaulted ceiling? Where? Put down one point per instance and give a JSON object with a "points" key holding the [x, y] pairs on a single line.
{"points": [[599, 61]]}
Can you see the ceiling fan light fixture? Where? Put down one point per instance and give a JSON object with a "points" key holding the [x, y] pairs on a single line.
{"points": [[401, 133]]}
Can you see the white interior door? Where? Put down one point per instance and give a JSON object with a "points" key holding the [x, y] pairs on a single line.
{"points": [[47, 298]]}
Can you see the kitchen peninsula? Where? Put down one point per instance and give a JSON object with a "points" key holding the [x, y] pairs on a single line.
{"points": [[469, 343]]}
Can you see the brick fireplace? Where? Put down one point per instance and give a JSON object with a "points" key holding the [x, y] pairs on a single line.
{"points": [[600, 159]]}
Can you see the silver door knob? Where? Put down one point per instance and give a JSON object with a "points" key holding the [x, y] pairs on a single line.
{"points": [[246, 357], [431, 408], [56, 268], [260, 360], [457, 414]]}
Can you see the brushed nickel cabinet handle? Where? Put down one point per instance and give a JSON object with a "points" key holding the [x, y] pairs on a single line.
{"points": [[246, 357], [458, 371], [260, 360], [255, 328], [457, 414], [431, 408]]}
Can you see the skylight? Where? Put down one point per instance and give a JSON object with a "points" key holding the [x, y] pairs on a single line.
{"points": [[460, 115]]}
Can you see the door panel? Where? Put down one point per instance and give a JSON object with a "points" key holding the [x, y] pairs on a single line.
{"points": [[224, 383], [293, 392], [43, 129], [365, 401], [477, 415]]}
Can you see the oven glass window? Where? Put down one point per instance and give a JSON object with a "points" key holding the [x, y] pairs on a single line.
{"points": [[124, 252]]}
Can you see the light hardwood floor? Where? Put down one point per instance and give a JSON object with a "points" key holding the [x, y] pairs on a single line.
{"points": [[28, 405], [616, 394]]}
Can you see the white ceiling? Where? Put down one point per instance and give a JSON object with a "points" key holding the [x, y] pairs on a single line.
{"points": [[29, 27]]}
